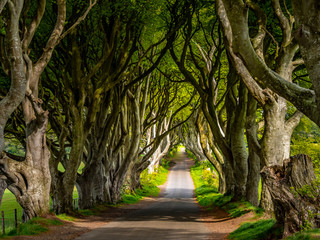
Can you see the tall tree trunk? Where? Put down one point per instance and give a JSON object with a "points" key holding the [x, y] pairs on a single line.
{"points": [[254, 151], [236, 114], [64, 183], [206, 142], [272, 151], [90, 185], [61, 200], [275, 146], [230, 180], [135, 180]]}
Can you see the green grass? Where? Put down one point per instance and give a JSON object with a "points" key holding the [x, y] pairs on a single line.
{"points": [[265, 229], [150, 183], [34, 226], [258, 230], [9, 203], [66, 217], [307, 235], [207, 194]]}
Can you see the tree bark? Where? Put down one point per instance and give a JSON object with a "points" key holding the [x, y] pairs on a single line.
{"points": [[3, 187], [291, 208], [64, 183], [254, 151], [29, 179], [205, 136], [91, 186]]}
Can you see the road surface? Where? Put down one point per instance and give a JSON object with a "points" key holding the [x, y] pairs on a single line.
{"points": [[175, 215]]}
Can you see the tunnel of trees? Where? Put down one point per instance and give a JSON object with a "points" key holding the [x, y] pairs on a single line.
{"points": [[114, 85]]}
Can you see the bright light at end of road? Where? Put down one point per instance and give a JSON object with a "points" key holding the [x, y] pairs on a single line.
{"points": [[182, 149]]}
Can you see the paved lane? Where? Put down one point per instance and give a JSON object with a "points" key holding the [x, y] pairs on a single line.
{"points": [[174, 216]]}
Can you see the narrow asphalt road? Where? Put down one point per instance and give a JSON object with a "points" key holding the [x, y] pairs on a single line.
{"points": [[175, 215]]}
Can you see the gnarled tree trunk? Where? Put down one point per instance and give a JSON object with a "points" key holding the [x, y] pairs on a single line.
{"points": [[90, 186], [292, 209], [29, 179]]}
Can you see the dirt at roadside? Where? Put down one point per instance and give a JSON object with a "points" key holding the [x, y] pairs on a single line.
{"points": [[220, 224]]}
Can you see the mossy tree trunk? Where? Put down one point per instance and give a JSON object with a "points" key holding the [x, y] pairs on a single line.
{"points": [[293, 207]]}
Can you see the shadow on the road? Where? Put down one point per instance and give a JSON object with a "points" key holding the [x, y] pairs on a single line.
{"points": [[149, 233], [173, 210]]}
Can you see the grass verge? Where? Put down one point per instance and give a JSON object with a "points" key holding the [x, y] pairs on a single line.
{"points": [[149, 183], [206, 190], [33, 227], [265, 229], [258, 230]]}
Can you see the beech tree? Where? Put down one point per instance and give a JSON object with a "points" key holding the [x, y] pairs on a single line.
{"points": [[105, 100], [306, 100], [274, 147], [32, 190]]}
